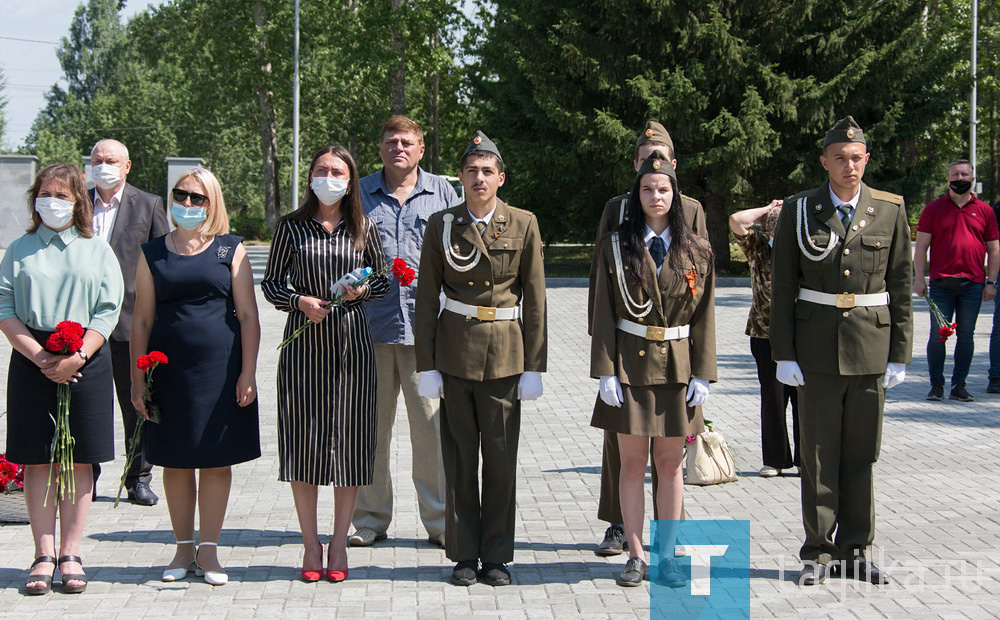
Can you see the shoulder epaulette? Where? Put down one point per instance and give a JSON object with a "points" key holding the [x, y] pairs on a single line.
{"points": [[878, 194]]}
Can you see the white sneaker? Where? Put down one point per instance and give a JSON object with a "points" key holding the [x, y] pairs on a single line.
{"points": [[769, 472]]}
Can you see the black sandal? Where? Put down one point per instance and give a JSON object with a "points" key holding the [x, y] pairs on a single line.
{"points": [[46, 579], [66, 577]]}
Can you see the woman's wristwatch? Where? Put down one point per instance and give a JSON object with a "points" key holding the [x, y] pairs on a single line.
{"points": [[83, 355]]}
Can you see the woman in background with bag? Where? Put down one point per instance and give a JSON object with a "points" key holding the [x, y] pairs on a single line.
{"points": [[653, 349]]}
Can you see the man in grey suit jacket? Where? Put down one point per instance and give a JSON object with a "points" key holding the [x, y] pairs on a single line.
{"points": [[126, 218]]}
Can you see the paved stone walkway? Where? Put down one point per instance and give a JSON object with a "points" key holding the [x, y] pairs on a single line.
{"points": [[939, 500]]}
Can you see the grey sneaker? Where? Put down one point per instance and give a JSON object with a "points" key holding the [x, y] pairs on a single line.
{"points": [[365, 537]]}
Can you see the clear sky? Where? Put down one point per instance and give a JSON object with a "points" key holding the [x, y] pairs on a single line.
{"points": [[32, 68]]}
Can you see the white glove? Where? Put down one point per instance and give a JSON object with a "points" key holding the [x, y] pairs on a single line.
{"points": [[611, 391], [789, 373], [430, 384], [894, 375], [697, 392], [529, 386]]}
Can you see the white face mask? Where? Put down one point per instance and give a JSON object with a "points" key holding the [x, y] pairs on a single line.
{"points": [[328, 189], [106, 176], [55, 212]]}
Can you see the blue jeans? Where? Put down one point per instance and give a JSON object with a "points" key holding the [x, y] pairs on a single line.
{"points": [[995, 341], [964, 305]]}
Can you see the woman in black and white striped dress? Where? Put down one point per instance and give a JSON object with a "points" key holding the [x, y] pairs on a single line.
{"points": [[326, 376]]}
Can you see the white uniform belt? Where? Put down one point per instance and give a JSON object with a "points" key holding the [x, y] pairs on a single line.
{"points": [[483, 313], [844, 300], [654, 332]]}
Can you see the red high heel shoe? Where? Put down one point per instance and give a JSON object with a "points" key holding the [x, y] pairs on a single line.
{"points": [[336, 576], [312, 576]]}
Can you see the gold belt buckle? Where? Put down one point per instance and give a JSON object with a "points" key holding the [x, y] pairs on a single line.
{"points": [[656, 333], [485, 313], [845, 300]]}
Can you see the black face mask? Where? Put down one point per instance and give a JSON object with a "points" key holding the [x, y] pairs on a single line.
{"points": [[960, 187]]}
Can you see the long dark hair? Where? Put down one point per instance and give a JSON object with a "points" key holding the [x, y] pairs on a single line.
{"points": [[72, 177], [350, 205], [632, 230]]}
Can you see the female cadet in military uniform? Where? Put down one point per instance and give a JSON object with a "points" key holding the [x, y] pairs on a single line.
{"points": [[653, 349]]}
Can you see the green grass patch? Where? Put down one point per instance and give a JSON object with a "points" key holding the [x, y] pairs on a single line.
{"points": [[568, 261]]}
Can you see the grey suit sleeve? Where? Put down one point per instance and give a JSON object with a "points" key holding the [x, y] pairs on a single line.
{"points": [[159, 226]]}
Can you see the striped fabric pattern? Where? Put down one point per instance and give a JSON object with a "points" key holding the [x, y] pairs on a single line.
{"points": [[326, 376]]}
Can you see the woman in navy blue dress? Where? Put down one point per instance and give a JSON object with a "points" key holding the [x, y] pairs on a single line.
{"points": [[195, 303]]}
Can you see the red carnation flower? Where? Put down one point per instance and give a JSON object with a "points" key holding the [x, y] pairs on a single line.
{"points": [[158, 357], [73, 343], [71, 328], [56, 342], [144, 363]]}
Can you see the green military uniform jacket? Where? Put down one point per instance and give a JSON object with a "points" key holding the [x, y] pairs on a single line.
{"points": [[509, 273], [614, 212], [636, 360], [872, 257]]}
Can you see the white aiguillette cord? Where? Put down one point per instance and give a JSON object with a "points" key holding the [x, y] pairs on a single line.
{"points": [[641, 309], [802, 230], [452, 256]]}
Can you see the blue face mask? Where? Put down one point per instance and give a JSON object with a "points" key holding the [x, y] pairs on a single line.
{"points": [[188, 218]]}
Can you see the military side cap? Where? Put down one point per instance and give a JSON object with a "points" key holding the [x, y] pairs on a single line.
{"points": [[657, 163], [654, 132], [845, 130], [480, 142]]}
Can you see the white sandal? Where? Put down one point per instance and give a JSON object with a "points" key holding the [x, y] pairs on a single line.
{"points": [[212, 577], [176, 574]]}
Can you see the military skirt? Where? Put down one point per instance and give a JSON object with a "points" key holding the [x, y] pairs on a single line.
{"points": [[650, 411]]}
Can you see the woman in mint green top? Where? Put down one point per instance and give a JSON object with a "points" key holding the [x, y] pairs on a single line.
{"points": [[59, 271]]}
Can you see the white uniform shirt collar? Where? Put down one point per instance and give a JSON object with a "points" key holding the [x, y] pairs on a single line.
{"points": [[648, 240], [487, 217]]}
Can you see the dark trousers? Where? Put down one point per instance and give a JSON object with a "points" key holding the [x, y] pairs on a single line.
{"points": [[121, 367], [841, 425], [774, 399], [963, 303], [480, 416]]}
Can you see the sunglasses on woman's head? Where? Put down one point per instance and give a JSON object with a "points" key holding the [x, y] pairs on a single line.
{"points": [[196, 199]]}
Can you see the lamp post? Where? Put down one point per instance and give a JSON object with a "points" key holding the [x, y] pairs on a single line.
{"points": [[295, 117]]}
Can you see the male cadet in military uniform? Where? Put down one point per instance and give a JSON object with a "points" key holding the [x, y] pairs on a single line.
{"points": [[653, 137], [841, 330], [482, 356]]}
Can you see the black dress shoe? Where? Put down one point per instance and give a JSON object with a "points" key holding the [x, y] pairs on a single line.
{"points": [[635, 570], [142, 495], [464, 573], [614, 541], [866, 571], [495, 574], [812, 574]]}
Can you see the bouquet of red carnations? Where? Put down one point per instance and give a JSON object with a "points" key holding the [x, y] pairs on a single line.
{"points": [[67, 340], [146, 363], [338, 291], [11, 475], [946, 329]]}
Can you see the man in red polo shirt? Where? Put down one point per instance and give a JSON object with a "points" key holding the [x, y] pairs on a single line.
{"points": [[961, 232]]}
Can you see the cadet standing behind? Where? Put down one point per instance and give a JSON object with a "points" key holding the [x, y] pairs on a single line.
{"points": [[841, 330], [483, 355], [400, 198], [653, 137]]}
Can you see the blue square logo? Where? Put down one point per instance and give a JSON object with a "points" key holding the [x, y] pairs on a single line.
{"points": [[699, 569]]}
